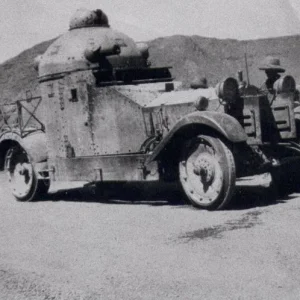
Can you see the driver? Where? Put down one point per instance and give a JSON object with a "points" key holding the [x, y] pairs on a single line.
{"points": [[272, 68]]}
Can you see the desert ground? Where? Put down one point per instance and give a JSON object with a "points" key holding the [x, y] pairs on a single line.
{"points": [[146, 244]]}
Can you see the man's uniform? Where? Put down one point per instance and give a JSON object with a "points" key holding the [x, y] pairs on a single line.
{"points": [[271, 65]]}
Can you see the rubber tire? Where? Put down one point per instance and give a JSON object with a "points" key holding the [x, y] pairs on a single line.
{"points": [[227, 163]]}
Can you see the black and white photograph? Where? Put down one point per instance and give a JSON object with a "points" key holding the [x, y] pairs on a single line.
{"points": [[149, 150]]}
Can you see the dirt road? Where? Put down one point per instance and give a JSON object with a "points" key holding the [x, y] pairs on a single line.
{"points": [[71, 246]]}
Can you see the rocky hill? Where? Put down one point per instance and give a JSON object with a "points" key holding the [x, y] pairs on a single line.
{"points": [[188, 55], [217, 58]]}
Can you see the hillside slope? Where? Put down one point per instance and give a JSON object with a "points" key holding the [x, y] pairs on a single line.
{"points": [[17, 75], [216, 58], [188, 55]]}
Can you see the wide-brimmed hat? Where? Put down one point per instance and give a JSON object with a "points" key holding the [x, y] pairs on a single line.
{"points": [[271, 63]]}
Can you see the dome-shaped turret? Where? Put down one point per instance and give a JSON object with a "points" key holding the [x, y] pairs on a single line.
{"points": [[91, 43]]}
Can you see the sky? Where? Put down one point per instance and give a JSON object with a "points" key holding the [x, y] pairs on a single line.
{"points": [[24, 23]]}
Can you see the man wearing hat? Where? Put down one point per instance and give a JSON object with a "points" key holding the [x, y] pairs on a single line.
{"points": [[271, 65]]}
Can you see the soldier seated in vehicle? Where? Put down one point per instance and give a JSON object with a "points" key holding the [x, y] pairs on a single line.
{"points": [[272, 68]]}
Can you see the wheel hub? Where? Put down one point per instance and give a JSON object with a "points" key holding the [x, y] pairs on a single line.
{"points": [[22, 170], [21, 179], [204, 167]]}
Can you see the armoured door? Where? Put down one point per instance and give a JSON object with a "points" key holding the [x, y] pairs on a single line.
{"points": [[76, 120], [66, 119]]}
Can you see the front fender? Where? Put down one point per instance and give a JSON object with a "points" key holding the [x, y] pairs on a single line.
{"points": [[224, 124], [35, 144]]}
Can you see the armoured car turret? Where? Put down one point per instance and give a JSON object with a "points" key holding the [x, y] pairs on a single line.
{"points": [[108, 116]]}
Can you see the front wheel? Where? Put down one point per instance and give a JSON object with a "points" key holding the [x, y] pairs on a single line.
{"points": [[207, 172], [23, 181]]}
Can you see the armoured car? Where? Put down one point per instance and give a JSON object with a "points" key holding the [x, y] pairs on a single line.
{"points": [[104, 114]]}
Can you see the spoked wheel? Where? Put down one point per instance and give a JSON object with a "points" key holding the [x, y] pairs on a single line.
{"points": [[22, 177], [207, 172]]}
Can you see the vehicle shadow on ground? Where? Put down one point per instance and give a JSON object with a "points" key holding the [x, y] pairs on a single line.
{"points": [[250, 197], [157, 194], [154, 194]]}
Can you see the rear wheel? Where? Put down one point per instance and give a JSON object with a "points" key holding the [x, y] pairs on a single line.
{"points": [[23, 181], [207, 172]]}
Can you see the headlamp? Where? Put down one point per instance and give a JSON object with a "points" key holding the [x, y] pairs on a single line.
{"points": [[228, 90], [285, 84]]}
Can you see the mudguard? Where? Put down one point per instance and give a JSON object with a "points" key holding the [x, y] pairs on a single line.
{"points": [[35, 144], [222, 123]]}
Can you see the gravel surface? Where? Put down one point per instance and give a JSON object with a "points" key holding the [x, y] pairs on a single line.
{"points": [[75, 246]]}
